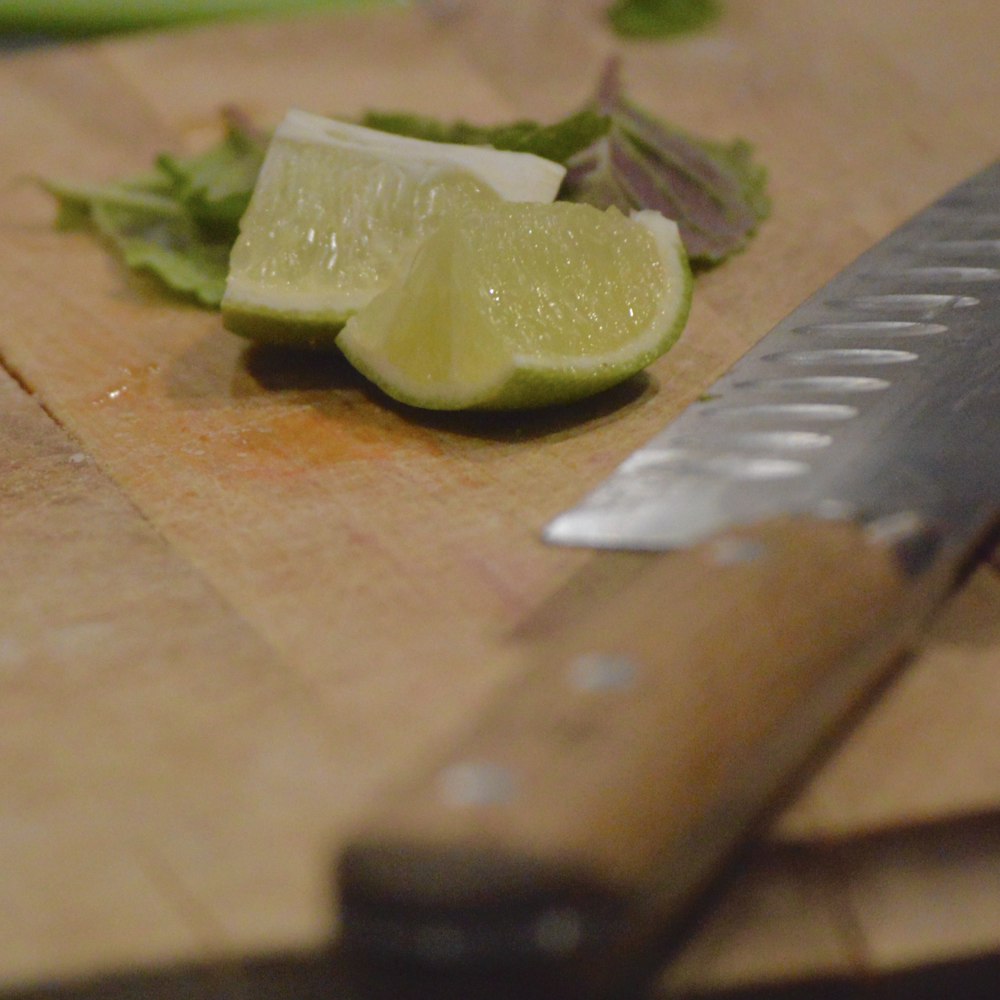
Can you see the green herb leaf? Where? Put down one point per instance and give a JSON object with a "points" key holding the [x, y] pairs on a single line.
{"points": [[662, 18], [558, 141], [179, 221], [216, 186], [618, 154], [173, 248], [715, 192]]}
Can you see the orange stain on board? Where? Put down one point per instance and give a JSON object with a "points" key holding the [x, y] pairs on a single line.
{"points": [[285, 441], [305, 436], [223, 423]]}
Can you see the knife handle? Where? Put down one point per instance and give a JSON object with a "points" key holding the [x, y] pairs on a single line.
{"points": [[647, 734]]}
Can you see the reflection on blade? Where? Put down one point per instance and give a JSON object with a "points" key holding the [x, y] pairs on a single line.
{"points": [[880, 393]]}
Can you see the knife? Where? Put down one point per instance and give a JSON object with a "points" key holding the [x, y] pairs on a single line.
{"points": [[795, 528]]}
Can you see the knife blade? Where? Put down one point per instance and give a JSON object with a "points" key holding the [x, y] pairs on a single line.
{"points": [[897, 350], [815, 506]]}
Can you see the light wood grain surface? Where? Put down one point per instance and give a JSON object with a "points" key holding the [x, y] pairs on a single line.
{"points": [[240, 591]]}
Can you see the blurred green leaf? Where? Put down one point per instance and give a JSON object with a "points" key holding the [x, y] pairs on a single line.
{"points": [[662, 18]]}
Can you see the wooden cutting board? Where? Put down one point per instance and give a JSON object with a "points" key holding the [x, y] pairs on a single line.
{"points": [[240, 591]]}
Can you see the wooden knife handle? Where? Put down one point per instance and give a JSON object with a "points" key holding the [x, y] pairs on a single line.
{"points": [[650, 730]]}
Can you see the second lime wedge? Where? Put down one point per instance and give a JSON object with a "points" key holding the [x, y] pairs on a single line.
{"points": [[521, 305]]}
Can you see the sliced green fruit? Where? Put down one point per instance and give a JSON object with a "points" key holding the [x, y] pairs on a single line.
{"points": [[522, 305], [337, 213]]}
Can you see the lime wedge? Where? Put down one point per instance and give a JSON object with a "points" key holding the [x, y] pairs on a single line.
{"points": [[519, 305], [338, 211]]}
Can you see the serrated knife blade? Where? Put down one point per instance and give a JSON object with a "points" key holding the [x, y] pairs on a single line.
{"points": [[815, 507], [878, 394]]}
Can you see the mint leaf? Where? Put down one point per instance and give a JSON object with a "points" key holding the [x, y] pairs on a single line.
{"points": [[431, 129], [558, 141], [715, 192], [178, 221], [172, 247], [76, 201], [661, 18], [617, 154], [215, 187]]}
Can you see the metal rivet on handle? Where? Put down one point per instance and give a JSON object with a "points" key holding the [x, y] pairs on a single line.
{"points": [[477, 783], [598, 672]]}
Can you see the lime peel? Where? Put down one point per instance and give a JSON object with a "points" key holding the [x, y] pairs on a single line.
{"points": [[429, 341], [514, 176]]}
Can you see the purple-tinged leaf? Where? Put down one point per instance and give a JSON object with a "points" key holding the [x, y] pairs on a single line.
{"points": [[714, 192]]}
